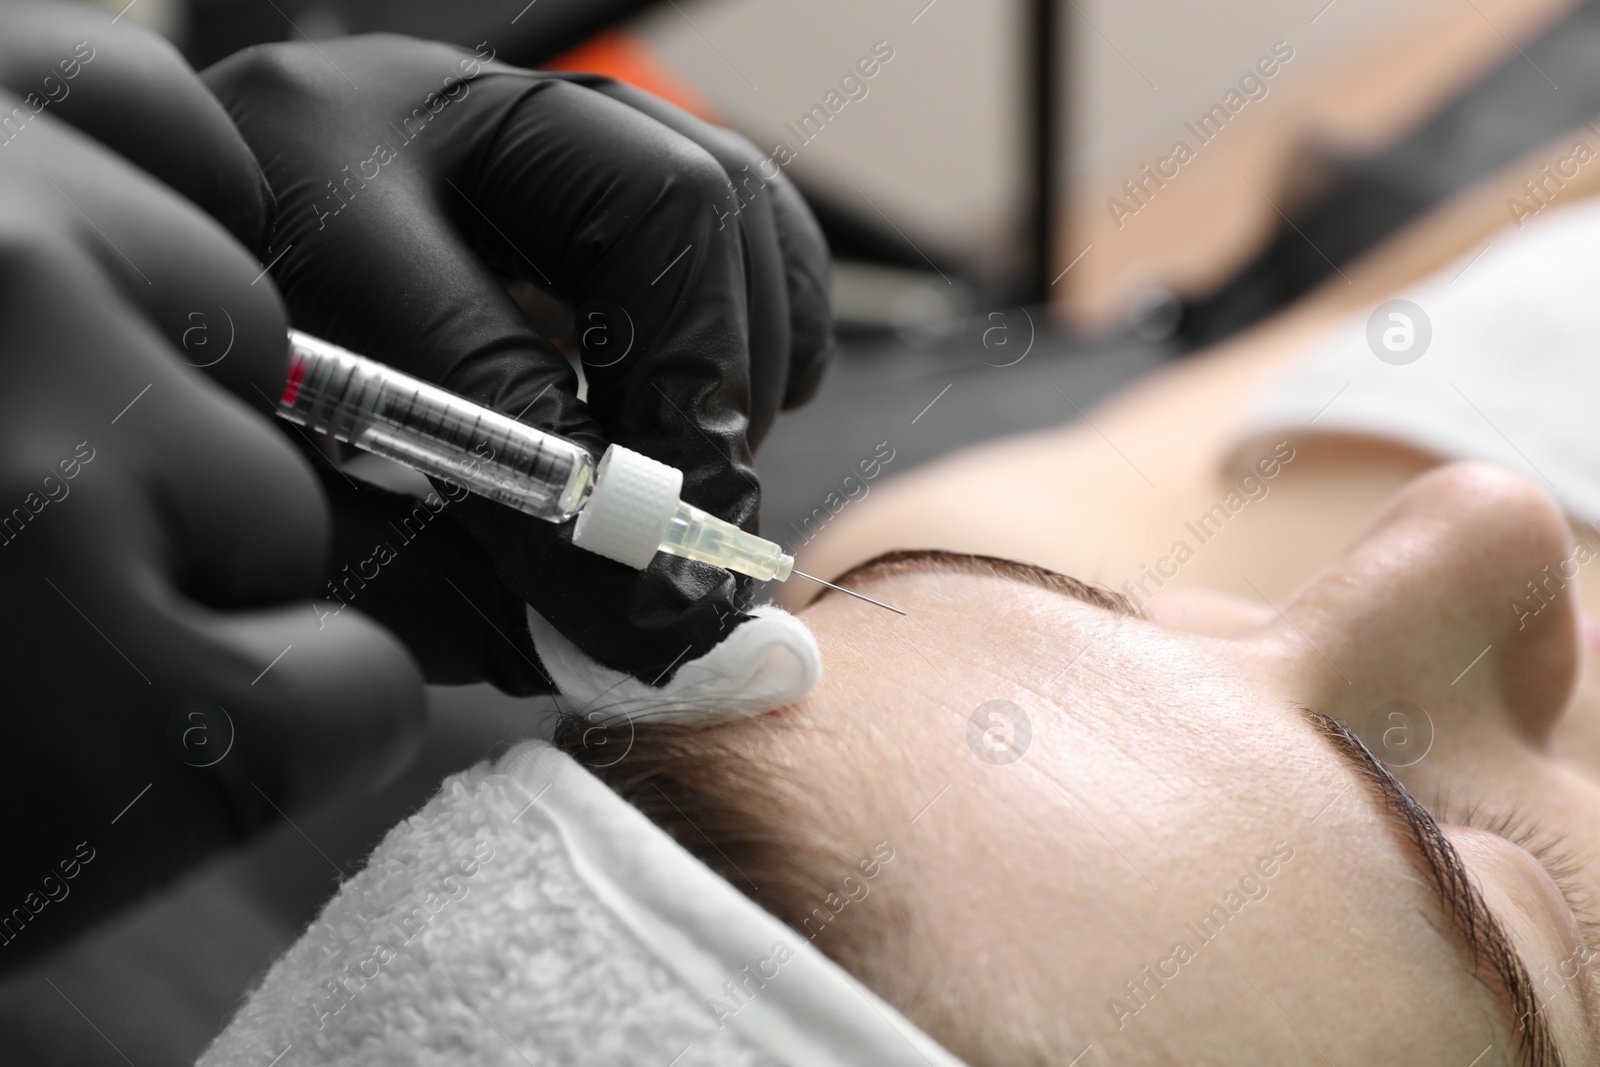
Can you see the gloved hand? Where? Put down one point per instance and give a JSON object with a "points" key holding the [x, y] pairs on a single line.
{"points": [[167, 686], [414, 180]]}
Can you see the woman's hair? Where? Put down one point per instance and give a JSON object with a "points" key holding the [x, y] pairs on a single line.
{"points": [[718, 792], [723, 794]]}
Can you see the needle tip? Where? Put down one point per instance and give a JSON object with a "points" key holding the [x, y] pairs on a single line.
{"points": [[848, 592]]}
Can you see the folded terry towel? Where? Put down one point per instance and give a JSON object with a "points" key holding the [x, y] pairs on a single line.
{"points": [[528, 916]]}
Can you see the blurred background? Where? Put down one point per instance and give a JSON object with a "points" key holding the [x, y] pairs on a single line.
{"points": [[1029, 193], [987, 149], [1024, 154]]}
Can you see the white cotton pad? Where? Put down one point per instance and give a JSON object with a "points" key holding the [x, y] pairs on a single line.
{"points": [[766, 663]]}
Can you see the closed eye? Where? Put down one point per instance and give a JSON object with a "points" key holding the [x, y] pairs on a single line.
{"points": [[1486, 947], [1551, 849]]}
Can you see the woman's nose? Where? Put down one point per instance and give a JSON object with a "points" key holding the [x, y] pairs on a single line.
{"points": [[1458, 597]]}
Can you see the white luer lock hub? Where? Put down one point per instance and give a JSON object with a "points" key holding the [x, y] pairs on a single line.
{"points": [[627, 515], [767, 662]]}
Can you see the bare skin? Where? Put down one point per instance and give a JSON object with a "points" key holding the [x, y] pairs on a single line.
{"points": [[1168, 762], [1106, 497], [1169, 754]]}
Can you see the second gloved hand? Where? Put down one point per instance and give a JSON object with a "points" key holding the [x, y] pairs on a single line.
{"points": [[414, 179], [169, 689]]}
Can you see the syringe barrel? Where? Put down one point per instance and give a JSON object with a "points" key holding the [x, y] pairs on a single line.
{"points": [[389, 413]]}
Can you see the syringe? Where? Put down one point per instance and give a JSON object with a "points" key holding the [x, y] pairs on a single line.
{"points": [[627, 506]]}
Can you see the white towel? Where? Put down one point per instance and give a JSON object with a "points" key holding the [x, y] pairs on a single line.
{"points": [[1512, 373], [527, 915]]}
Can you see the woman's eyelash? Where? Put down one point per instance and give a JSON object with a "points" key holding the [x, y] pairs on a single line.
{"points": [[1552, 851]]}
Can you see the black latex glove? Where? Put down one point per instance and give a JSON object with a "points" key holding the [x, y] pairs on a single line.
{"points": [[160, 541], [414, 179]]}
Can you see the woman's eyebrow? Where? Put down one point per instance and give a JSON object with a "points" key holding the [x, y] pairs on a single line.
{"points": [[1479, 934], [937, 560]]}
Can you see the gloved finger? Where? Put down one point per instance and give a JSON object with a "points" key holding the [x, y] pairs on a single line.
{"points": [[440, 312], [244, 522], [785, 239], [188, 506], [808, 268], [589, 192], [323, 702], [179, 268], [187, 484], [612, 207], [128, 88], [407, 562], [753, 221], [179, 731], [146, 499]]}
